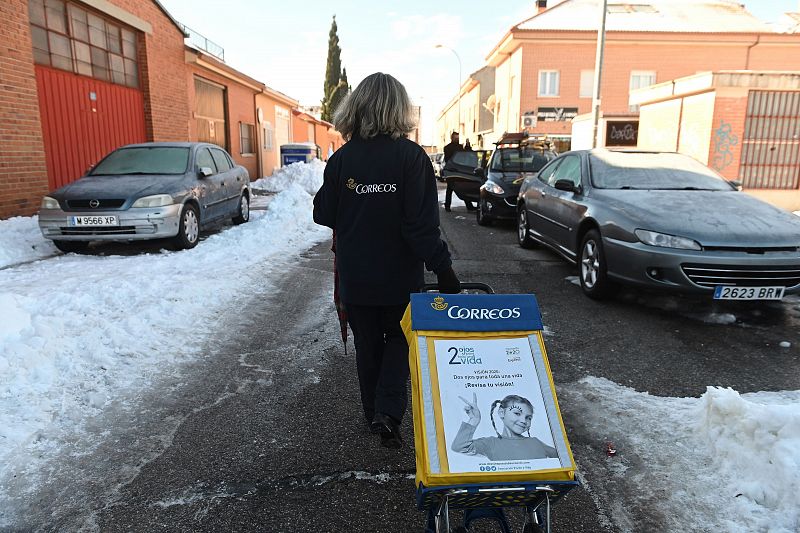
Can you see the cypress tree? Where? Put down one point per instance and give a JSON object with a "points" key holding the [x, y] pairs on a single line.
{"points": [[335, 87]]}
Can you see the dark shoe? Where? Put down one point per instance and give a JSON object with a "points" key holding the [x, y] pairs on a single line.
{"points": [[447, 209], [388, 429]]}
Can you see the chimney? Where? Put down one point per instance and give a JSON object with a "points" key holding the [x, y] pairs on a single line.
{"points": [[541, 5]]}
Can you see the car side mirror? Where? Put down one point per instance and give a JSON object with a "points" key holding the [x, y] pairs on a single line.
{"points": [[205, 172], [479, 171], [567, 185]]}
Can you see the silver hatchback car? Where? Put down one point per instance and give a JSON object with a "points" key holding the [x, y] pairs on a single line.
{"points": [[148, 191]]}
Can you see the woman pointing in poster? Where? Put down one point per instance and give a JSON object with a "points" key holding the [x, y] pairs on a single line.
{"points": [[516, 414]]}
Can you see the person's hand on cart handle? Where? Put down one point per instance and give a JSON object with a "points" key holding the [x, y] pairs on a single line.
{"points": [[448, 281], [471, 408]]}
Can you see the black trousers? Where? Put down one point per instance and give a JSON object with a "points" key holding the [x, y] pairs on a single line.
{"points": [[448, 196], [381, 358]]}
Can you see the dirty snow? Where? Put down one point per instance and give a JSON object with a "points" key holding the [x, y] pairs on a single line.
{"points": [[78, 332], [722, 462]]}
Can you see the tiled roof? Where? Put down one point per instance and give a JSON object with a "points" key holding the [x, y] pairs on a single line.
{"points": [[691, 16]]}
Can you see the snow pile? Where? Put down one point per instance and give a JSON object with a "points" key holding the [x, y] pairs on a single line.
{"points": [[77, 330], [306, 175], [721, 462], [21, 240], [755, 444]]}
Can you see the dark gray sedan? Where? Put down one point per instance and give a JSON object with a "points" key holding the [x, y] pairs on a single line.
{"points": [[148, 191], [660, 220]]}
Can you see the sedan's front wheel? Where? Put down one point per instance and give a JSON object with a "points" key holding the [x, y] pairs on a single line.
{"points": [[593, 268], [189, 228], [482, 218]]}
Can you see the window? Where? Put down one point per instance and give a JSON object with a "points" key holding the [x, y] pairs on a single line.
{"points": [[221, 159], [639, 79], [204, 159], [548, 83], [569, 169], [246, 136], [269, 133], [587, 84], [68, 37]]}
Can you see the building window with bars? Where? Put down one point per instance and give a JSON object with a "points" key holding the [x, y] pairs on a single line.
{"points": [[770, 157], [246, 138], [68, 37]]}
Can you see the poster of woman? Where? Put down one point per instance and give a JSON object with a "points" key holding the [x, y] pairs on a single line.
{"points": [[492, 407]]}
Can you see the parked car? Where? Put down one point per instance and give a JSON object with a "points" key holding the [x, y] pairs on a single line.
{"points": [[660, 220], [516, 156], [437, 160], [467, 170], [148, 191]]}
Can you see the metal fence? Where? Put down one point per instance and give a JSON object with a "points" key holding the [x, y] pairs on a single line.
{"points": [[771, 145], [200, 41]]}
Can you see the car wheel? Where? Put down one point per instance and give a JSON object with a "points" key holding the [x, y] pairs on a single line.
{"points": [[244, 210], [593, 269], [188, 229], [481, 216], [523, 237], [76, 247]]}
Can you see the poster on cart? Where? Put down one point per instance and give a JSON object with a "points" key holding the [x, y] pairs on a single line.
{"points": [[492, 408]]}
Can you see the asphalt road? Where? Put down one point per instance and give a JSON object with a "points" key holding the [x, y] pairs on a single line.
{"points": [[264, 433]]}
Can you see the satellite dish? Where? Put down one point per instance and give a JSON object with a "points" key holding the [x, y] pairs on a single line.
{"points": [[490, 103]]}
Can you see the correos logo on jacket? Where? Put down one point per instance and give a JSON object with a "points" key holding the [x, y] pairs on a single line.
{"points": [[456, 312], [360, 188]]}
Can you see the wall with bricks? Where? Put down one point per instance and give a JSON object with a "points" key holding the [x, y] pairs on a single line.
{"points": [[161, 58], [23, 173]]}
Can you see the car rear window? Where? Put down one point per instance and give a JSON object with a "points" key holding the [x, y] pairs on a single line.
{"points": [[520, 159], [144, 160], [641, 170]]}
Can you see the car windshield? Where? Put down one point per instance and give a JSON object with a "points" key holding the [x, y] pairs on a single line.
{"points": [[663, 171], [144, 160], [520, 159]]}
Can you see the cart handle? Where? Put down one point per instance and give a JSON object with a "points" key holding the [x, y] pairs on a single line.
{"points": [[430, 287]]}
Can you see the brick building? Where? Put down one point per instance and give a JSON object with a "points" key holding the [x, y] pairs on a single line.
{"points": [[79, 78], [544, 66], [308, 128], [744, 124]]}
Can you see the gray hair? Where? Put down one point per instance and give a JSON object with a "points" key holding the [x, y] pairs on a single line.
{"points": [[379, 105]]}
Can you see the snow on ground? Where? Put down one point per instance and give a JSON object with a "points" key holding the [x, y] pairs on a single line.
{"points": [[77, 330], [722, 462], [21, 241]]}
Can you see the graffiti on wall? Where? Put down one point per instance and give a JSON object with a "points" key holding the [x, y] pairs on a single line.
{"points": [[724, 141]]}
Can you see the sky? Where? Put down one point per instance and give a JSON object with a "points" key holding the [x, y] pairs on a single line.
{"points": [[286, 48]]}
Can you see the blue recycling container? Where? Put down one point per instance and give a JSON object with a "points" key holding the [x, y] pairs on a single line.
{"points": [[298, 153]]}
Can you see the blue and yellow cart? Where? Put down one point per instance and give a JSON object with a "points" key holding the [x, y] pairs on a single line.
{"points": [[484, 351]]}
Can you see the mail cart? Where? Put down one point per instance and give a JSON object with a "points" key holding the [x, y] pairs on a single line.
{"points": [[299, 153], [488, 432]]}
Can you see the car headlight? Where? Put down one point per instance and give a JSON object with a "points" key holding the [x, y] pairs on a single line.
{"points": [[654, 238], [50, 203], [157, 200], [492, 187]]}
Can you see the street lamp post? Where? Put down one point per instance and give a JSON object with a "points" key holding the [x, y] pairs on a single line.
{"points": [[458, 92]]}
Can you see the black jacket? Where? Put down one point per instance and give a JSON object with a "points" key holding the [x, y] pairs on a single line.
{"points": [[380, 197], [450, 149]]}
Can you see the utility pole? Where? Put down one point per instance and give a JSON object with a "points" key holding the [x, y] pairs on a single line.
{"points": [[458, 93], [598, 70]]}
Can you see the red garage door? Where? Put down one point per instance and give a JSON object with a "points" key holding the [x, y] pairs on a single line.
{"points": [[83, 119]]}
